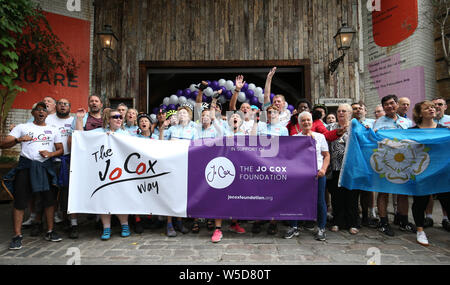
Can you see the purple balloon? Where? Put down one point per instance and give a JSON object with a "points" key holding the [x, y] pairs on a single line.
{"points": [[254, 100], [193, 95], [209, 82], [249, 94], [271, 97], [228, 94], [179, 93], [290, 108], [224, 89], [172, 107], [245, 87], [215, 85], [187, 92], [204, 98], [155, 110], [162, 106]]}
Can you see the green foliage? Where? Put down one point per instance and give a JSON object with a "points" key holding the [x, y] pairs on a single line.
{"points": [[27, 41]]}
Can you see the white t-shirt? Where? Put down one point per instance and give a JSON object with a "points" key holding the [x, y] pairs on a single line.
{"points": [[44, 138], [64, 126], [321, 145], [247, 126]]}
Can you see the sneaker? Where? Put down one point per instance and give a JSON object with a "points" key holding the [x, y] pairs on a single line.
{"points": [[320, 235], [428, 223], [106, 234], [57, 219], [386, 229], [28, 222], [335, 229], [16, 243], [139, 227], [217, 236], [256, 228], [180, 228], [52, 236], [353, 231], [73, 233], [446, 225], [272, 229], [409, 227], [171, 232], [36, 229], [422, 238], [291, 232], [237, 229], [125, 231], [372, 223]]}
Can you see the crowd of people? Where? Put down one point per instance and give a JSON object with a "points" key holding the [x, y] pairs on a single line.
{"points": [[41, 180]]}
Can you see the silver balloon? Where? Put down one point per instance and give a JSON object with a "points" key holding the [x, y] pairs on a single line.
{"points": [[258, 90], [192, 87], [241, 97], [153, 118], [173, 99], [261, 98], [166, 101], [182, 100], [229, 85], [208, 92], [251, 86], [222, 82]]}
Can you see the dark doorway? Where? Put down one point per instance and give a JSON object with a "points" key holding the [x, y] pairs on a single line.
{"points": [[163, 79]]}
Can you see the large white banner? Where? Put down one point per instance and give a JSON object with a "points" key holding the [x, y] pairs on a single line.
{"points": [[119, 174]]}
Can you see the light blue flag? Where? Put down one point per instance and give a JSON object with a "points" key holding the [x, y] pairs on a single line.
{"points": [[409, 162]]}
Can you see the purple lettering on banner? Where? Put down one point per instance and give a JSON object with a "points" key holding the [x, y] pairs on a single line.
{"points": [[237, 182]]}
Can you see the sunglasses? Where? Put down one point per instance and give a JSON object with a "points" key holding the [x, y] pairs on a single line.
{"points": [[439, 104], [116, 117], [63, 104]]}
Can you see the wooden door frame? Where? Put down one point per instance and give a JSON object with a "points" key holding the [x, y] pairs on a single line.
{"points": [[142, 104]]}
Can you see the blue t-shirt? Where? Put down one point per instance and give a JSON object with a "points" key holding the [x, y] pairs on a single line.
{"points": [[105, 130], [211, 132], [445, 121], [133, 130], [188, 132], [386, 123], [272, 129]]}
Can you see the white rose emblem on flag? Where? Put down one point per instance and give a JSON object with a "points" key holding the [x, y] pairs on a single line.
{"points": [[399, 160]]}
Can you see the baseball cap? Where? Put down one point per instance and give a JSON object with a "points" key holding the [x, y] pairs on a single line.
{"points": [[39, 104]]}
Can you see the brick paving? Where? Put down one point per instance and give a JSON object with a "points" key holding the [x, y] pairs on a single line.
{"points": [[153, 247]]}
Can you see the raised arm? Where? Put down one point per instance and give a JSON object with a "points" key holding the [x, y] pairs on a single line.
{"points": [[239, 84], [268, 85]]}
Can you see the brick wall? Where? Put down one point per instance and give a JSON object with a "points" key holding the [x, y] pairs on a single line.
{"points": [[18, 116], [417, 50]]}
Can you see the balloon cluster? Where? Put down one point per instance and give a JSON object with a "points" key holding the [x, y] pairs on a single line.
{"points": [[249, 93]]}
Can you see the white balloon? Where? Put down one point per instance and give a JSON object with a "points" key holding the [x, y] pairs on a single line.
{"points": [[222, 99], [229, 85], [222, 82], [241, 97], [208, 92], [191, 102], [153, 118], [173, 99], [258, 90], [251, 86], [261, 98], [182, 100], [166, 101], [286, 104], [192, 87]]}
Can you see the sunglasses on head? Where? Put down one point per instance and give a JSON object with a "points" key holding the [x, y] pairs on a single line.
{"points": [[116, 117]]}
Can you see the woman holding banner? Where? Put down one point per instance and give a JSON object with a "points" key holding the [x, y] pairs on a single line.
{"points": [[344, 201], [323, 160], [114, 124], [423, 115]]}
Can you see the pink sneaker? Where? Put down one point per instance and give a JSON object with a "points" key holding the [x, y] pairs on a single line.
{"points": [[217, 236], [237, 229]]}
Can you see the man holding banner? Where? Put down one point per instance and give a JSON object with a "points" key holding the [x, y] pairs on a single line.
{"points": [[391, 121], [397, 161]]}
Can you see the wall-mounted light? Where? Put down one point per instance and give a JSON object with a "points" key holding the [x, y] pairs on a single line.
{"points": [[343, 39], [108, 41]]}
